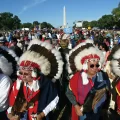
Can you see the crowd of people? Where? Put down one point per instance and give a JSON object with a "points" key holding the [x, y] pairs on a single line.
{"points": [[51, 75]]}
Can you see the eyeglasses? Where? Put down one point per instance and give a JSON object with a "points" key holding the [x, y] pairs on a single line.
{"points": [[92, 65], [23, 73]]}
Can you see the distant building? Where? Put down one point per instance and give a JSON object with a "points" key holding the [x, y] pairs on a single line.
{"points": [[26, 29], [79, 24]]}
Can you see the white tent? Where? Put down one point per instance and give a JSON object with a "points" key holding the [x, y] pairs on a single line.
{"points": [[27, 29]]}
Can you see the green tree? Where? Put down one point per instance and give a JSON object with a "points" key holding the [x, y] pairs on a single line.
{"points": [[119, 5], [94, 23], [27, 25], [17, 21], [8, 21], [116, 15], [35, 23], [106, 21], [46, 25], [49, 25], [86, 24]]}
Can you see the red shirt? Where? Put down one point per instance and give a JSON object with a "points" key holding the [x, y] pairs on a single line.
{"points": [[79, 90]]}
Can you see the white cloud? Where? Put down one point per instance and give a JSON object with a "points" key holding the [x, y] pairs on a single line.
{"points": [[33, 4]]}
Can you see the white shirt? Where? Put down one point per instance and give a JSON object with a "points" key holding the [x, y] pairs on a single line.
{"points": [[5, 84], [52, 105]]}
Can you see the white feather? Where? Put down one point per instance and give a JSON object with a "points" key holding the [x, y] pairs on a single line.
{"points": [[40, 60], [11, 52], [117, 54], [85, 52], [43, 62], [35, 41], [6, 66], [53, 50], [48, 46], [115, 67], [18, 84], [44, 44]]}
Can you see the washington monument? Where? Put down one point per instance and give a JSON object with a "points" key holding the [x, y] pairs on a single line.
{"points": [[64, 17]]}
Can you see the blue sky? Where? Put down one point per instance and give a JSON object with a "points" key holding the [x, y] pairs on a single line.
{"points": [[52, 10]]}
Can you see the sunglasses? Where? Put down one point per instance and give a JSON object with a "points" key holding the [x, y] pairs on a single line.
{"points": [[23, 73], [92, 65]]}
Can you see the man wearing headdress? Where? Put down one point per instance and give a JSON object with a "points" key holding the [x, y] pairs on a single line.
{"points": [[34, 94], [87, 90]]}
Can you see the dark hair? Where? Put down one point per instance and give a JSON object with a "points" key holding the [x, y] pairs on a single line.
{"points": [[40, 37], [104, 46], [14, 39]]}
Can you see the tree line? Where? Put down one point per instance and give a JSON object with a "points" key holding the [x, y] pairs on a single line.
{"points": [[110, 21], [8, 21]]}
